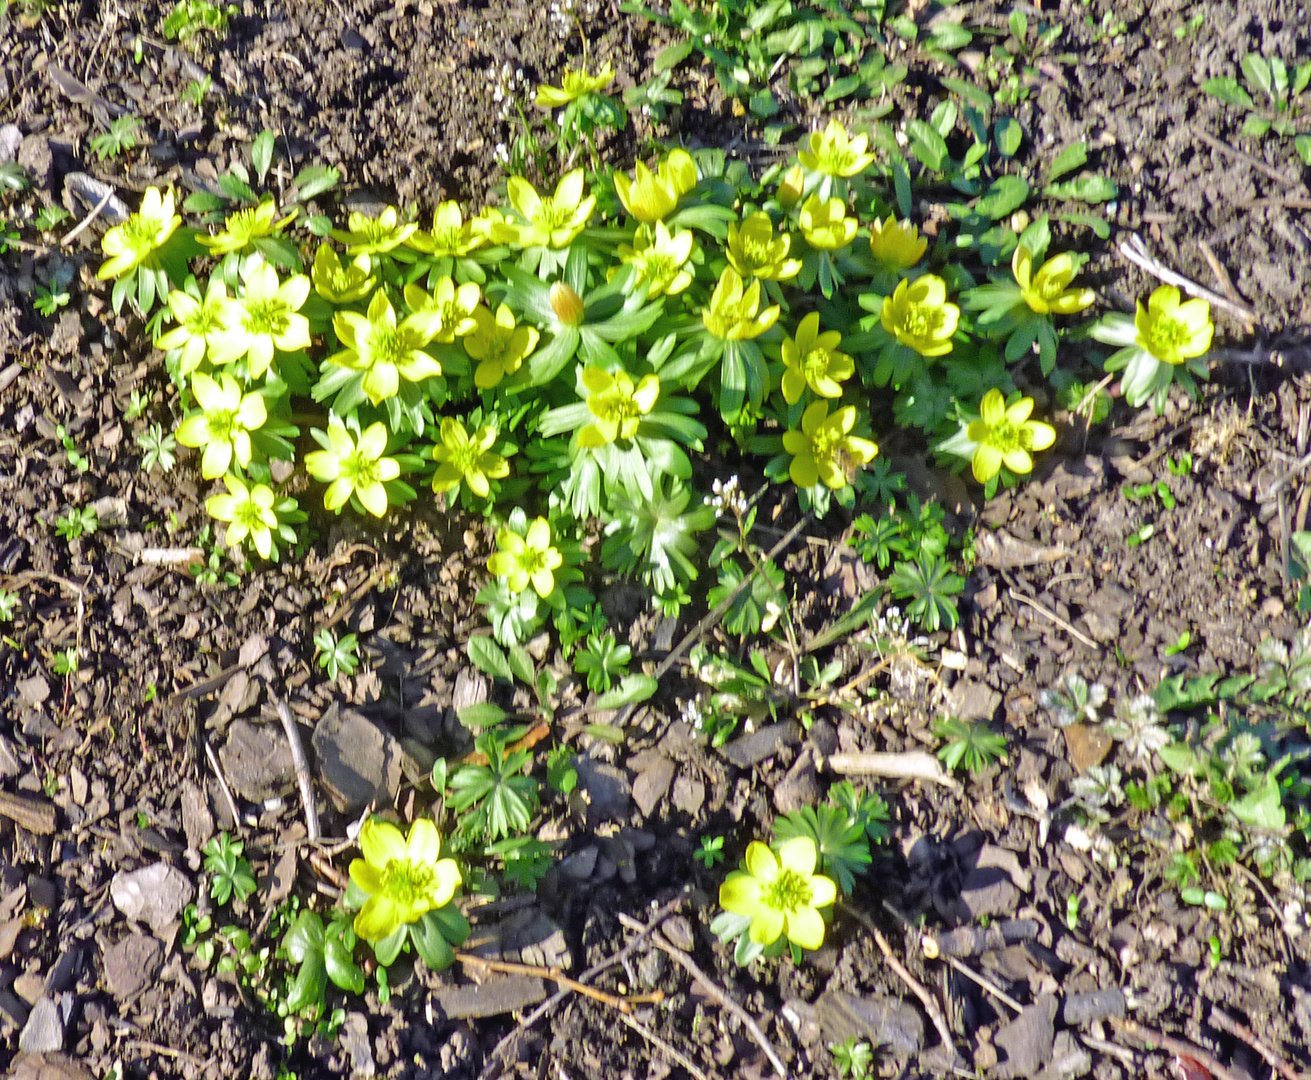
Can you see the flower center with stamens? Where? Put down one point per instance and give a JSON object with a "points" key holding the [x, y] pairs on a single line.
{"points": [[787, 892]]}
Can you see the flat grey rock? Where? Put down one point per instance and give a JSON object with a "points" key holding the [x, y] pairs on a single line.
{"points": [[875, 1018], [1027, 1040], [131, 965], [652, 782], [154, 895], [754, 748], [359, 763], [257, 761], [496, 996], [801, 787], [607, 788], [44, 1031]]}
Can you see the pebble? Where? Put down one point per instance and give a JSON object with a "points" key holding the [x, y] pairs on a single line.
{"points": [[257, 761], [131, 965], [1093, 1005], [47, 1067], [44, 1031], [358, 762], [754, 748], [494, 997], [1027, 1040], [154, 895], [655, 773], [607, 789]]}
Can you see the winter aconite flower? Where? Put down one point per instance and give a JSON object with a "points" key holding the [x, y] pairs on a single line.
{"points": [[781, 893], [263, 319], [918, 314], [896, 244], [575, 84], [448, 311], [133, 243], [340, 283], [382, 349], [499, 345], [1172, 331], [403, 877], [243, 227], [451, 236], [835, 153], [649, 196], [1005, 436], [616, 404], [552, 221], [199, 322], [812, 359], [222, 424], [468, 459], [351, 468], [1048, 291], [661, 259], [734, 314], [824, 449], [527, 558], [248, 512], [825, 225], [754, 251], [366, 235]]}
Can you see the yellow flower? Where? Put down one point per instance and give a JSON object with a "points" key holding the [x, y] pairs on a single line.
{"points": [[825, 225], [244, 226], [498, 344], [263, 319], [616, 405], [918, 315], [824, 449], [649, 197], [403, 876], [1005, 436], [661, 259], [222, 424], [812, 360], [753, 250], [350, 468], [575, 84], [451, 235], [340, 284], [526, 558], [198, 323], [374, 236], [791, 186], [781, 893], [552, 221], [1173, 332], [1048, 291], [731, 314], [140, 236], [835, 153], [248, 511], [896, 244], [446, 313], [466, 458], [384, 351]]}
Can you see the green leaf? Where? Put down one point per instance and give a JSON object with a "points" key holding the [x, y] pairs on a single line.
{"points": [[975, 95], [488, 657], [1019, 25], [1005, 195], [949, 37], [1068, 160], [1008, 134], [1261, 807], [631, 690], [431, 944], [927, 145], [1089, 188], [261, 153], [901, 183], [522, 665], [315, 180], [844, 87], [1254, 127], [1303, 145], [1229, 91], [1257, 70], [672, 56], [483, 714], [1099, 225], [763, 105]]}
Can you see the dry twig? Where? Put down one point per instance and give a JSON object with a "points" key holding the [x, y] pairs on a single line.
{"points": [[1073, 631], [302, 768], [655, 1040], [1225, 1022], [623, 1003], [223, 787], [908, 765], [1136, 252], [1154, 1039]]}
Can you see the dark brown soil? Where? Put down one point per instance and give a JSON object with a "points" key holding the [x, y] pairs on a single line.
{"points": [[402, 98]]}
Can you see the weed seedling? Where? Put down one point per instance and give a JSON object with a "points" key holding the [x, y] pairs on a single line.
{"points": [[77, 523], [972, 745], [64, 662], [853, 1059], [191, 17], [49, 217], [75, 457], [336, 656], [136, 406], [197, 90], [50, 299], [157, 449], [8, 605], [602, 661], [1072, 912], [711, 851], [121, 136], [230, 873]]}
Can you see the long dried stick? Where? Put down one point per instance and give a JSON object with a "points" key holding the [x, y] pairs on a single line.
{"points": [[1136, 252], [655, 1040], [622, 1003], [1225, 1022], [302, 768], [1153, 1039]]}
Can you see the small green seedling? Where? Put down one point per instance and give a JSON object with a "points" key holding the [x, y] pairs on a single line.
{"points": [[972, 745], [1072, 912], [49, 217], [602, 661], [77, 523], [1181, 465], [230, 873], [190, 17], [853, 1059], [64, 662], [711, 851], [337, 656], [75, 457], [136, 406], [1215, 955], [157, 449], [121, 136], [1140, 535], [51, 299], [8, 605], [197, 91], [1185, 639]]}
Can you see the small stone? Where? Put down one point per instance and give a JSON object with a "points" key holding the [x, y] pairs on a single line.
{"points": [[33, 692], [257, 761], [154, 895], [44, 1031], [1027, 1040], [801, 786], [754, 748], [131, 965], [607, 790], [14, 1008], [494, 997], [581, 864], [11, 138], [354, 1036], [689, 795], [971, 700], [358, 761], [879, 1019], [197, 821], [652, 783], [78, 782], [47, 1067], [678, 930], [1093, 1005], [30, 986], [1069, 1059], [9, 932]]}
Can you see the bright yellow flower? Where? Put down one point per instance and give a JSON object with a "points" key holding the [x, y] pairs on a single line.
{"points": [[1173, 332], [835, 153], [222, 424], [248, 511], [140, 236], [812, 360], [824, 449], [649, 197], [731, 314], [451, 235], [244, 226], [262, 320], [575, 84], [198, 323], [825, 225], [498, 344], [552, 221], [781, 893], [403, 876], [447, 312], [351, 468], [918, 315], [754, 251], [340, 284], [526, 558], [466, 458], [374, 236], [661, 259], [791, 186], [385, 351], [1048, 291], [896, 244], [616, 404], [1005, 436]]}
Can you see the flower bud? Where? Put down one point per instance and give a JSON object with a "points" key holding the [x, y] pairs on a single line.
{"points": [[567, 304]]}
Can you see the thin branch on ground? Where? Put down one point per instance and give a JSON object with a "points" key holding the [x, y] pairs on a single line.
{"points": [[1225, 1022], [655, 1040], [1070, 629], [907, 765], [303, 780], [1159, 1040], [1136, 252], [623, 1003], [1247, 159], [73, 234], [213, 760]]}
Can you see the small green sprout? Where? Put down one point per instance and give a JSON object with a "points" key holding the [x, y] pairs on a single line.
{"points": [[1140, 535], [929, 586], [121, 136], [1181, 465], [230, 872], [495, 798], [711, 851], [75, 457], [1215, 955], [64, 662], [1185, 639], [77, 523], [49, 300], [602, 661], [335, 655], [8, 605], [972, 745], [853, 1059], [189, 17], [136, 405], [197, 90], [1072, 912], [49, 217], [157, 449]]}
